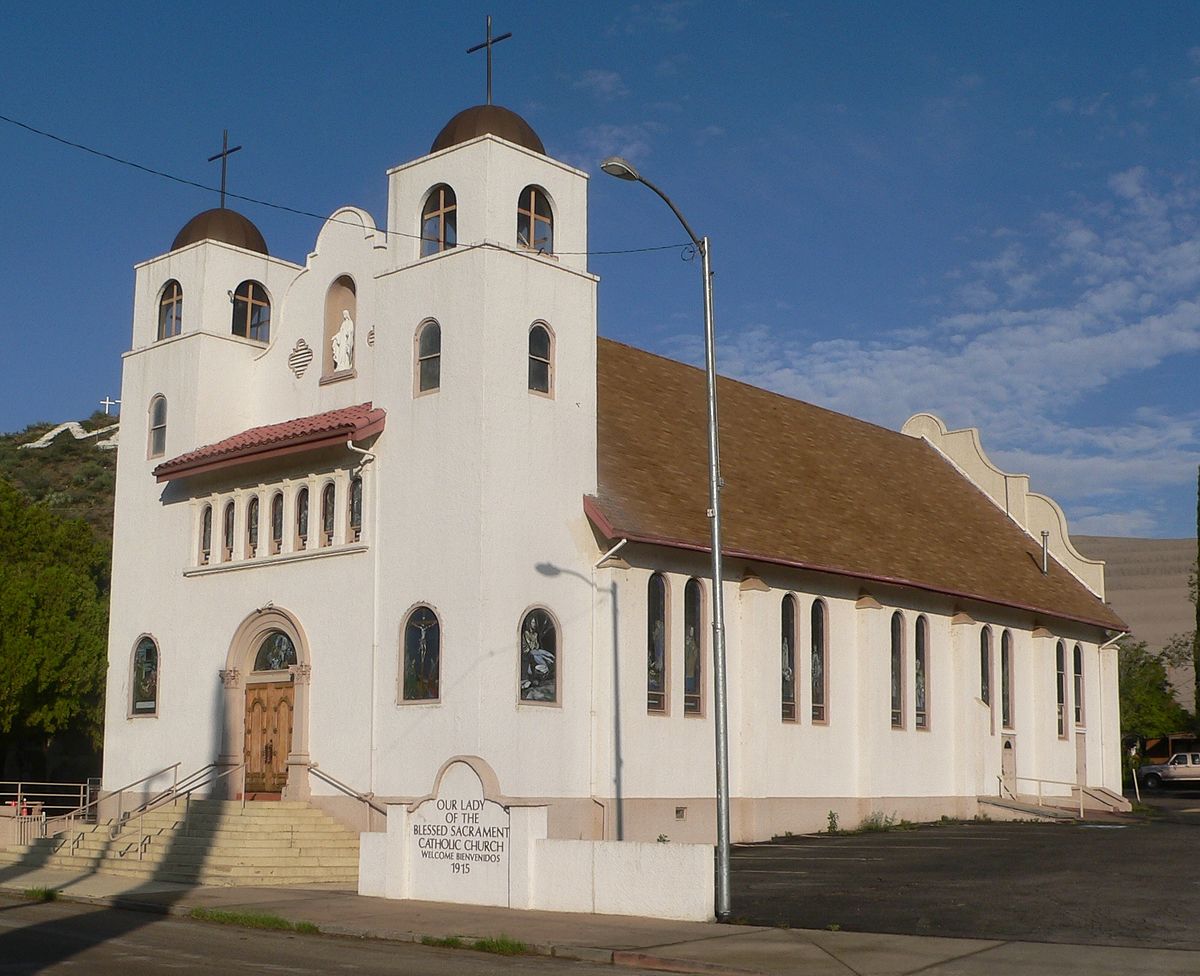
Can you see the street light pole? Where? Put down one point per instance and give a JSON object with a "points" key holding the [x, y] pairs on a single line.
{"points": [[620, 168]]}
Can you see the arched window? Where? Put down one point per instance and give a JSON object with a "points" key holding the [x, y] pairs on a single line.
{"points": [[1078, 686], [820, 676], [693, 648], [535, 220], [897, 670], [539, 657], [341, 309], [144, 680], [985, 665], [656, 644], [541, 360], [302, 519], [787, 656], [158, 427], [170, 310], [252, 528], [277, 523], [227, 534], [1060, 686], [439, 221], [921, 672], [422, 668], [206, 535], [328, 500], [1006, 714], [354, 513], [429, 357], [252, 312], [275, 653]]}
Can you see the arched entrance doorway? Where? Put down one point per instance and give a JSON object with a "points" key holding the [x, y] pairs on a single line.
{"points": [[266, 705]]}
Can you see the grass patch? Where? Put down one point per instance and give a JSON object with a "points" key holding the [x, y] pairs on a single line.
{"points": [[501, 945], [450, 942], [252, 920], [878, 822], [40, 894]]}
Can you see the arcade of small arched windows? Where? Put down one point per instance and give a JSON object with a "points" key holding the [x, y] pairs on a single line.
{"points": [[290, 519]]}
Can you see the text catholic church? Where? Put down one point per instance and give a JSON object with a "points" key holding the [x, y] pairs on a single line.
{"points": [[400, 504]]}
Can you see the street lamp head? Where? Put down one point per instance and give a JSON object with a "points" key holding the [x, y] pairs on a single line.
{"points": [[620, 168]]}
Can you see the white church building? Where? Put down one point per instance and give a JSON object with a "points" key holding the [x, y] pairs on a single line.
{"points": [[399, 504]]}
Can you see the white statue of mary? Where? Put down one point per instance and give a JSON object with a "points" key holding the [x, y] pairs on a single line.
{"points": [[342, 344]]}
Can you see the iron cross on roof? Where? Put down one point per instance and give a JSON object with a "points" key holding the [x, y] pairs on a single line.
{"points": [[488, 44], [223, 156]]}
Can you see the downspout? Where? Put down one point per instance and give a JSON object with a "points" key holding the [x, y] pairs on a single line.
{"points": [[615, 696]]}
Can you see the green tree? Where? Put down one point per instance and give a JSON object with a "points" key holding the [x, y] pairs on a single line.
{"points": [[54, 581], [1148, 705]]}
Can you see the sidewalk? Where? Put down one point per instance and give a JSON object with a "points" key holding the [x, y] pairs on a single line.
{"points": [[680, 947]]}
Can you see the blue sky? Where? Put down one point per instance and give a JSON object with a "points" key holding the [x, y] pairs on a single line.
{"points": [[986, 210]]}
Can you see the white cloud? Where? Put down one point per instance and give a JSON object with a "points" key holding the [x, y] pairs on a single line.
{"points": [[602, 84]]}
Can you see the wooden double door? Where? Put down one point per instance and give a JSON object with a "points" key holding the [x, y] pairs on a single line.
{"points": [[269, 710]]}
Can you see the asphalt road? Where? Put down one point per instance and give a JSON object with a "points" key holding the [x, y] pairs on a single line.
{"points": [[60, 938], [1136, 885]]}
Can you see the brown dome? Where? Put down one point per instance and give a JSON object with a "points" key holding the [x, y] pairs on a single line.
{"points": [[483, 119], [220, 224]]}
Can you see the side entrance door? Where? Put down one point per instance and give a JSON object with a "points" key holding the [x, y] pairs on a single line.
{"points": [[269, 710]]}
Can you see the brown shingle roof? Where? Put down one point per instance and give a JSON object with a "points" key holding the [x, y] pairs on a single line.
{"points": [[807, 487], [302, 434]]}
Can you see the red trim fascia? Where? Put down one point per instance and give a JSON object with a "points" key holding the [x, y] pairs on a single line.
{"points": [[591, 508]]}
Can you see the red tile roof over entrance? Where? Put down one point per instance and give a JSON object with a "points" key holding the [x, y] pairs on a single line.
{"points": [[290, 437]]}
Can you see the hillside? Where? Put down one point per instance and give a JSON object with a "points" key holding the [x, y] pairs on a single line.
{"points": [[73, 478]]}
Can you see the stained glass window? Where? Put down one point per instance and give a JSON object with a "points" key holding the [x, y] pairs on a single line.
{"points": [[539, 359], [819, 684], [1060, 673], [920, 672], [656, 649], [275, 653], [252, 312], [277, 523], [429, 357], [897, 670], [145, 678], [206, 536], [355, 509], [439, 221], [252, 528], [539, 657], [787, 656], [693, 648], [422, 655], [535, 221], [1078, 685], [170, 310], [328, 496], [227, 532], [302, 519], [1006, 680], [985, 665]]}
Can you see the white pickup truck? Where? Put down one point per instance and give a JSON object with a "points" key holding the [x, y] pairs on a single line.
{"points": [[1182, 767]]}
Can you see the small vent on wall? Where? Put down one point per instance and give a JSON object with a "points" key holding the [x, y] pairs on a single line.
{"points": [[681, 813], [371, 338], [300, 358]]}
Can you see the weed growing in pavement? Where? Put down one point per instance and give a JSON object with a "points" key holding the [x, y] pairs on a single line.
{"points": [[877, 822], [449, 942], [40, 894], [831, 826], [833, 927], [501, 945], [252, 920]]}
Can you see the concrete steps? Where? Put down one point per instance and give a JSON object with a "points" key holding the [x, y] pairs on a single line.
{"points": [[208, 842]]}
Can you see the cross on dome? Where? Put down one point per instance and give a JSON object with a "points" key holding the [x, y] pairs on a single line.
{"points": [[223, 156], [488, 44]]}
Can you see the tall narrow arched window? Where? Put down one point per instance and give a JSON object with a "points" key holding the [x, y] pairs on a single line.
{"points": [[787, 657], [539, 657], [541, 359], [1006, 681], [341, 310], [429, 357], [656, 644], [252, 528], [535, 220], [328, 500], [227, 534], [439, 221], [144, 680], [170, 310], [1060, 687], [354, 509], [252, 312], [302, 519], [277, 523], [157, 445], [1078, 655], [693, 648], [206, 535], [422, 666], [820, 657], [921, 673], [985, 665], [897, 649]]}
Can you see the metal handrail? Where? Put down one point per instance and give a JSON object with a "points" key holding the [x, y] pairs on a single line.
{"points": [[367, 798], [1054, 782], [101, 796], [193, 781], [26, 794]]}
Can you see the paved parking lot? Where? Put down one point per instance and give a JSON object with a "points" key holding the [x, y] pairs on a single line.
{"points": [[1131, 885]]}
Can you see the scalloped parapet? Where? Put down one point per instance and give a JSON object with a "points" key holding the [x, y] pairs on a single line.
{"points": [[1010, 493]]}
